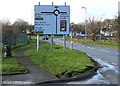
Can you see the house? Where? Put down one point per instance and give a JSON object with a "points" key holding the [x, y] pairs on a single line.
{"points": [[107, 30]]}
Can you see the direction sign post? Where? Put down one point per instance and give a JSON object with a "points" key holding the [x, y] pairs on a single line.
{"points": [[52, 20], [71, 30], [71, 47], [51, 44], [38, 43], [64, 37]]}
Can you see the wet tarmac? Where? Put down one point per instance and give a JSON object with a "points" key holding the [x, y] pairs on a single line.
{"points": [[107, 75]]}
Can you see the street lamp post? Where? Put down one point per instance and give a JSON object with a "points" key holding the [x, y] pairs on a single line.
{"points": [[85, 23]]}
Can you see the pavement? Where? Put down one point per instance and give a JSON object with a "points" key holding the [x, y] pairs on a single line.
{"points": [[35, 74]]}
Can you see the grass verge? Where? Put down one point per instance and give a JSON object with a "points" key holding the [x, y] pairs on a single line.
{"points": [[12, 65], [72, 63], [96, 43]]}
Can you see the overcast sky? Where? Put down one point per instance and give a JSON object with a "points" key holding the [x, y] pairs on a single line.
{"points": [[14, 9]]}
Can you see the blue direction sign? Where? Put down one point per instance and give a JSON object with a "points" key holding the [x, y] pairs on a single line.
{"points": [[51, 19]]}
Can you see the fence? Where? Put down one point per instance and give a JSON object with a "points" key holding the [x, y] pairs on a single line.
{"points": [[14, 39]]}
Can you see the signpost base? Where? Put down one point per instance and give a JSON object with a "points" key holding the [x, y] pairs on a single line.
{"points": [[51, 44], [64, 37], [71, 46], [38, 43]]}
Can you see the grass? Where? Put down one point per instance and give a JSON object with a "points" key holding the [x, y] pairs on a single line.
{"points": [[56, 36], [96, 43], [57, 62], [11, 65]]}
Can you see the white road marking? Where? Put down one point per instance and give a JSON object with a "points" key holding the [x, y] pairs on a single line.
{"points": [[90, 47], [104, 51], [118, 53]]}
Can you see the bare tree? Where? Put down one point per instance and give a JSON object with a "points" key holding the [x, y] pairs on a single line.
{"points": [[117, 26], [109, 25], [113, 27], [20, 25], [6, 25], [93, 27], [79, 27]]}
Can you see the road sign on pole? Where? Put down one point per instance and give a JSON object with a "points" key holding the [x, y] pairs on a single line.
{"points": [[71, 30], [51, 19], [38, 43]]}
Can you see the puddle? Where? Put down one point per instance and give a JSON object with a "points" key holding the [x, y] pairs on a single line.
{"points": [[97, 79], [106, 66], [106, 75]]}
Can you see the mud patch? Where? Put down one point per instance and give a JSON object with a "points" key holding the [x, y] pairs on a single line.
{"points": [[81, 75]]}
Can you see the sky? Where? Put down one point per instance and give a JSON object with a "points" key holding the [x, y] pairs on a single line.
{"points": [[24, 9], [119, 8]]}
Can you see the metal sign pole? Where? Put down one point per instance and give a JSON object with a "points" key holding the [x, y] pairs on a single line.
{"points": [[51, 44], [71, 47], [64, 37], [38, 43]]}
